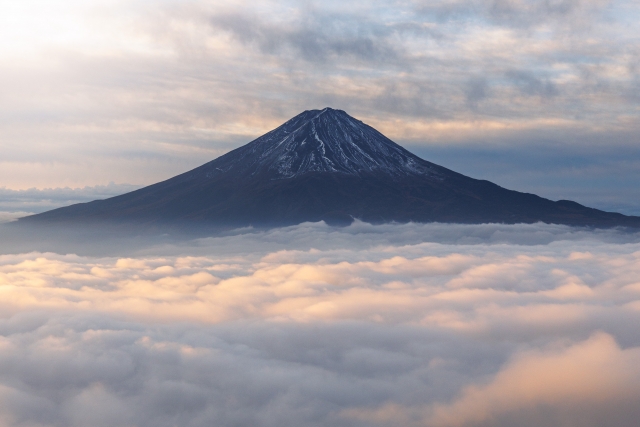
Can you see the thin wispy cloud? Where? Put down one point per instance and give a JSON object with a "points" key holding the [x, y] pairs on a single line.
{"points": [[35, 200]]}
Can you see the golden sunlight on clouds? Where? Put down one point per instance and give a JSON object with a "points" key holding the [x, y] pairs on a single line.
{"points": [[452, 290], [591, 373], [563, 383], [461, 130], [372, 326]]}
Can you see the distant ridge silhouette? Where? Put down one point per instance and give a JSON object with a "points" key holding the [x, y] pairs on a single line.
{"points": [[324, 165]]}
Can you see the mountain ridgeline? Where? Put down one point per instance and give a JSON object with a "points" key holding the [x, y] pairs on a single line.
{"points": [[324, 165]]}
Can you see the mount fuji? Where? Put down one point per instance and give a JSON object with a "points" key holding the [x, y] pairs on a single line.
{"points": [[324, 165]]}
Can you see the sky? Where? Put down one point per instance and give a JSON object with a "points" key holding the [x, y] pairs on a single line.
{"points": [[99, 97]]}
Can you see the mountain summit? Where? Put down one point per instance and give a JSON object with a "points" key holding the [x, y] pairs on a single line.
{"points": [[326, 165], [322, 141]]}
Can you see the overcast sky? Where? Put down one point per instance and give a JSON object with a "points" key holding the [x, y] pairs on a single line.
{"points": [[539, 96]]}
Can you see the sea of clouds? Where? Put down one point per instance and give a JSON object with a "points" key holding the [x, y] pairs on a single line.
{"points": [[411, 325]]}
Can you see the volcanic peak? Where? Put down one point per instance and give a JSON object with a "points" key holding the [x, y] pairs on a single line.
{"points": [[325, 140], [324, 165]]}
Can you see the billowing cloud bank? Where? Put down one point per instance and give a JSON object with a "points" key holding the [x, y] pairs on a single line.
{"points": [[365, 326]]}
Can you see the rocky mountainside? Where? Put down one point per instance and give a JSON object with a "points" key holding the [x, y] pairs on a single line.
{"points": [[326, 165], [321, 141]]}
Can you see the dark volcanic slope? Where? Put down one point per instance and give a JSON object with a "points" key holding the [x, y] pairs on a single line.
{"points": [[326, 165]]}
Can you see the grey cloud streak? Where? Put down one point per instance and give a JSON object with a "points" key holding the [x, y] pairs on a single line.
{"points": [[34, 200], [316, 38], [519, 13], [436, 325], [529, 84]]}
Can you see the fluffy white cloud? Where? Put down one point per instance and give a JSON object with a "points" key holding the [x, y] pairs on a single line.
{"points": [[366, 325]]}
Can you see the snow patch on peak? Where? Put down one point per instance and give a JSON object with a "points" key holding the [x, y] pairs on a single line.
{"points": [[324, 140]]}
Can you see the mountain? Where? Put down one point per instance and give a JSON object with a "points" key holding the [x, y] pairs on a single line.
{"points": [[326, 165]]}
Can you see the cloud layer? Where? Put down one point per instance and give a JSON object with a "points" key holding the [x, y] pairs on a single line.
{"points": [[17, 203], [502, 325]]}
